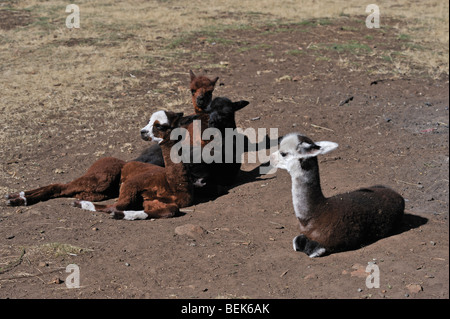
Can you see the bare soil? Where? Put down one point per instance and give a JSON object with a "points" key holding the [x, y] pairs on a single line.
{"points": [[330, 81]]}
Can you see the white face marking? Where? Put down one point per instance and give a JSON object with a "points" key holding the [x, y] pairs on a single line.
{"points": [[291, 151], [286, 153], [159, 116], [134, 214], [87, 205]]}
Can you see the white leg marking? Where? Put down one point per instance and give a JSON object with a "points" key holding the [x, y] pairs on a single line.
{"points": [[319, 252], [199, 183], [134, 214], [22, 195], [87, 205]]}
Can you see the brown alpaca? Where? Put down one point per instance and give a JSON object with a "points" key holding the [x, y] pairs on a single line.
{"points": [[151, 191], [159, 191], [202, 89], [341, 222]]}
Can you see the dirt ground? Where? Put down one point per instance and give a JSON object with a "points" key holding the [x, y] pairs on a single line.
{"points": [[330, 80]]}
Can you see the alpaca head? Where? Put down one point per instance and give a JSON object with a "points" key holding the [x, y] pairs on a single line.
{"points": [[297, 152], [221, 112], [223, 105], [161, 125], [202, 89]]}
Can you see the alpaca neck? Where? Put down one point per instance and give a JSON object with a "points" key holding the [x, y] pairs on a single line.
{"points": [[197, 110], [306, 190], [176, 173]]}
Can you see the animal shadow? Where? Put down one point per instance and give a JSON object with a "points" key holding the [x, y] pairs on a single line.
{"points": [[409, 222]]}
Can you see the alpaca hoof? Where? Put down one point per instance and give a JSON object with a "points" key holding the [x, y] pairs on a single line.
{"points": [[76, 204], [11, 196], [299, 243], [310, 247], [117, 215], [199, 183], [18, 201], [15, 202], [83, 204]]}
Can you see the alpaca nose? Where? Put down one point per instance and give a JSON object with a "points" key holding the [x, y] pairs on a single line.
{"points": [[200, 100], [273, 160], [144, 132]]}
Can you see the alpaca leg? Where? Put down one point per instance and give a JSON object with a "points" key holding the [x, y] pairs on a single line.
{"points": [[100, 182], [159, 209], [128, 199], [88, 205], [309, 247], [35, 195], [152, 209], [112, 210]]}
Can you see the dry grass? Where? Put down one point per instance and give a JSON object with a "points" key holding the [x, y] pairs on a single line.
{"points": [[44, 76]]}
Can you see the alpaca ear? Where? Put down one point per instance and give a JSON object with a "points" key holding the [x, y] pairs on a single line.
{"points": [[192, 75], [307, 150], [215, 80], [175, 121], [239, 105], [187, 119], [326, 147]]}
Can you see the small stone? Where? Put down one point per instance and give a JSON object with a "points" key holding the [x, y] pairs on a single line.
{"points": [[284, 78], [56, 280], [127, 264], [360, 290], [414, 288], [311, 276], [190, 230]]}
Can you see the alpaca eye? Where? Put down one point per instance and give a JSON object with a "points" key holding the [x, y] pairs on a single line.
{"points": [[193, 92], [283, 154], [161, 127]]}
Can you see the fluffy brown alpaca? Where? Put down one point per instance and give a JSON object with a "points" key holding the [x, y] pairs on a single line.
{"points": [[341, 222], [202, 89], [155, 192], [151, 191]]}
